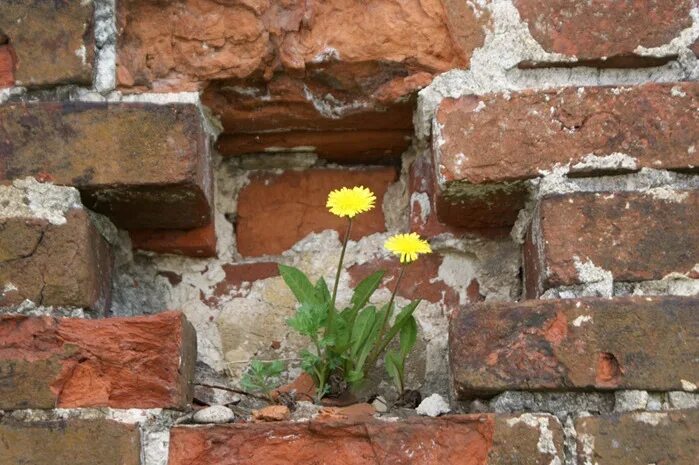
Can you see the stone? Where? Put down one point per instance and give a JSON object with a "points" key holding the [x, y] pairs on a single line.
{"points": [[52, 255], [486, 146], [214, 414], [303, 388], [683, 400], [354, 413], [276, 211], [332, 72], [639, 438], [572, 231], [70, 441], [272, 413], [450, 440], [433, 406], [629, 401], [606, 34], [138, 362], [238, 279], [380, 405], [142, 165], [197, 242], [7, 67], [644, 343], [65, 28]]}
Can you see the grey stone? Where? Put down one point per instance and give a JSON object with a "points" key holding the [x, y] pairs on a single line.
{"points": [[630, 400], [433, 406], [214, 414]]}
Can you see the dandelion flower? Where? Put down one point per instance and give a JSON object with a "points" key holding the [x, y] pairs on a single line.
{"points": [[350, 202], [408, 246]]}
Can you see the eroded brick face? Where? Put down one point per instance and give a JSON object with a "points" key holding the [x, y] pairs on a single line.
{"points": [[53, 42], [197, 242], [645, 343], [7, 66], [140, 362], [73, 441], [636, 236], [487, 145], [605, 33], [67, 265], [142, 165], [276, 211]]}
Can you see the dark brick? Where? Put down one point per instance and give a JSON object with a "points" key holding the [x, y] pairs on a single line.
{"points": [[635, 236], [649, 343], [53, 41], [140, 362], [142, 165], [73, 441], [7, 66], [639, 438], [198, 242], [488, 145]]}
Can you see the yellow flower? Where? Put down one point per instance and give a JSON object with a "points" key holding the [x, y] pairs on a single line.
{"points": [[408, 246], [350, 202]]}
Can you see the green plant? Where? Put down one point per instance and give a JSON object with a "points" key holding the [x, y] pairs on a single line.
{"points": [[347, 343], [262, 377]]}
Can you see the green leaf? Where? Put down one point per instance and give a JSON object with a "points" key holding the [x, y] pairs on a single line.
{"points": [[363, 326], [308, 319], [299, 284], [404, 314], [408, 336], [365, 289], [394, 368], [322, 292]]}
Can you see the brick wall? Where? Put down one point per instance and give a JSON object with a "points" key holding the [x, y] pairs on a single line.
{"points": [[159, 158]]}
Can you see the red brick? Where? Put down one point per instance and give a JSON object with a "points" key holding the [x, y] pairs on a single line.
{"points": [[605, 33], [420, 280], [140, 362], [142, 165], [281, 66], [7, 67], [66, 265], [70, 441], [198, 242], [633, 235], [368, 146], [639, 438], [648, 343], [459, 439], [53, 42], [488, 145], [275, 212]]}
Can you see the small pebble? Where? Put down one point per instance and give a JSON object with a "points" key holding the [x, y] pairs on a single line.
{"points": [[433, 406], [380, 405], [214, 414]]}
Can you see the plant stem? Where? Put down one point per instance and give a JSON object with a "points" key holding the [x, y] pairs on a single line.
{"points": [[331, 311], [374, 355]]}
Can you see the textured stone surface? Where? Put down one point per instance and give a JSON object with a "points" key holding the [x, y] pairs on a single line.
{"points": [[197, 242], [462, 439], [606, 32], [368, 146], [53, 42], [275, 212], [639, 438], [67, 265], [487, 145], [140, 362], [7, 66], [75, 442], [142, 165], [318, 66], [648, 343], [635, 236]]}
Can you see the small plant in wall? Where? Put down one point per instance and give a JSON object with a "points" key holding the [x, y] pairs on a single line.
{"points": [[347, 341]]}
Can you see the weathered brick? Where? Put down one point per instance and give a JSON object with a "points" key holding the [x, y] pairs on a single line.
{"points": [[368, 146], [276, 211], [607, 33], [140, 362], [72, 441], [63, 265], [7, 66], [636, 236], [238, 278], [648, 343], [459, 439], [53, 42], [326, 67], [142, 165], [198, 242], [486, 146], [639, 438]]}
